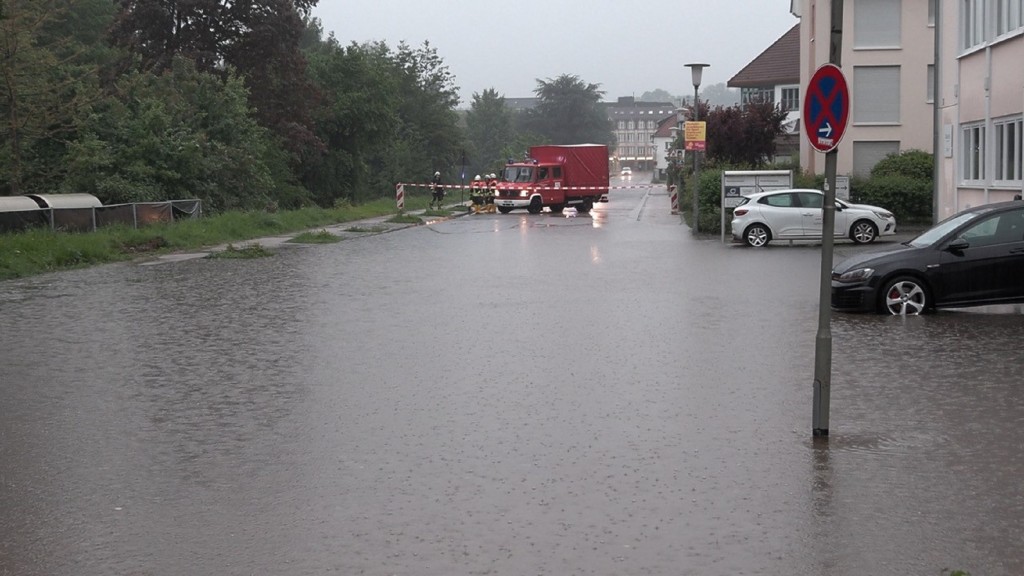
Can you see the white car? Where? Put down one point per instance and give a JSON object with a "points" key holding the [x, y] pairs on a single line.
{"points": [[627, 171], [796, 214]]}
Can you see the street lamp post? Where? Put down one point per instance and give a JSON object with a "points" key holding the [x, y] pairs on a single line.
{"points": [[696, 71]]}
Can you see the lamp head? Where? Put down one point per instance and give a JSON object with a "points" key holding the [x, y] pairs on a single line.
{"points": [[696, 71]]}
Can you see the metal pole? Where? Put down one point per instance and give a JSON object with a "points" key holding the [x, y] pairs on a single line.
{"points": [[823, 340], [936, 115], [462, 188], [696, 165]]}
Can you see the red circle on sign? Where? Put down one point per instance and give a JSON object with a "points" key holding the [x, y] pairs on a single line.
{"points": [[826, 108]]}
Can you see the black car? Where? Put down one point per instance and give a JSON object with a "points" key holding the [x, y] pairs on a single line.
{"points": [[973, 258]]}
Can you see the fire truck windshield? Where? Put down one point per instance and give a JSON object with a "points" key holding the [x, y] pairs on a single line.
{"points": [[518, 174]]}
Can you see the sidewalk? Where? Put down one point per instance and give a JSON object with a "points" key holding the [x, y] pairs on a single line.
{"points": [[345, 230]]}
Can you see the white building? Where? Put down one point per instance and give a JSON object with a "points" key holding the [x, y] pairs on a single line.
{"points": [[888, 55]]}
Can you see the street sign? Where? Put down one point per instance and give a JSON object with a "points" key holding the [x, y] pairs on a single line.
{"points": [[826, 108], [695, 135]]}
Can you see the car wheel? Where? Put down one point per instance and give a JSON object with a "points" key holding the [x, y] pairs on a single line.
{"points": [[904, 296], [757, 235], [863, 232], [536, 205], [504, 209]]}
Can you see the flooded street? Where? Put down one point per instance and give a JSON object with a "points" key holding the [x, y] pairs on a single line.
{"points": [[516, 394]]}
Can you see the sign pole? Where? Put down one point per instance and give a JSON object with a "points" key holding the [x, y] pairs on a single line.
{"points": [[823, 340]]}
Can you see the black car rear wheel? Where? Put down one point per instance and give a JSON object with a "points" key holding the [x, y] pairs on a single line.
{"points": [[904, 296]]}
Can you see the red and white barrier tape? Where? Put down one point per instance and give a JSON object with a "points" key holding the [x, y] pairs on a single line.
{"points": [[470, 187]]}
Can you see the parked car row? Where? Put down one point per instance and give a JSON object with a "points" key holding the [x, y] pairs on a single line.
{"points": [[973, 258]]}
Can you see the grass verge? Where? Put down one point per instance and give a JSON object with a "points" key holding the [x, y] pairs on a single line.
{"points": [[38, 251], [249, 251], [320, 237]]}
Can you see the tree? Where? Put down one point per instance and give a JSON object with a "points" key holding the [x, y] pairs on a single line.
{"points": [[257, 38], [358, 120], [743, 135], [720, 95], [427, 99], [569, 111], [660, 95], [48, 73], [489, 130], [387, 117], [182, 134]]}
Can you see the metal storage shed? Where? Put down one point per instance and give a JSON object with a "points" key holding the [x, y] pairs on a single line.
{"points": [[77, 200], [17, 204]]}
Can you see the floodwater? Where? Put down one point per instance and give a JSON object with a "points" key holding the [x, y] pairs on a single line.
{"points": [[500, 394]]}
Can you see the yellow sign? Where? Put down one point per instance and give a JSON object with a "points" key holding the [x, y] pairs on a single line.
{"points": [[695, 134]]}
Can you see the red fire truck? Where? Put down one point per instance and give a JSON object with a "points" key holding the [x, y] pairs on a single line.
{"points": [[556, 177]]}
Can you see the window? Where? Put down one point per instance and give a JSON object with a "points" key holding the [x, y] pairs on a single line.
{"points": [[868, 153], [778, 200], [630, 125], [876, 94], [930, 90], [876, 23], [1007, 15], [1003, 228], [971, 23], [972, 152], [791, 99], [931, 12], [1007, 153], [622, 125], [811, 199], [757, 95]]}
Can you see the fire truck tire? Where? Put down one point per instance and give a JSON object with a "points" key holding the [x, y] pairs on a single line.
{"points": [[557, 208], [536, 205], [585, 206], [504, 209]]}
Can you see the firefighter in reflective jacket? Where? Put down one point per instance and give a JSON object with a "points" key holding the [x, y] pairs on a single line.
{"points": [[476, 193], [492, 192]]}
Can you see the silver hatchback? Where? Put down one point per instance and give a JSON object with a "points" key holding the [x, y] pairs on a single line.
{"points": [[796, 214]]}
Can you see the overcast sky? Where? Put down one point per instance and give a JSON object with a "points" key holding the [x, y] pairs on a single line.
{"points": [[628, 48]]}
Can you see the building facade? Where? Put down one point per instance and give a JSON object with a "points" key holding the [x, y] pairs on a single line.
{"points": [[634, 124], [663, 138], [774, 76], [888, 56], [981, 102]]}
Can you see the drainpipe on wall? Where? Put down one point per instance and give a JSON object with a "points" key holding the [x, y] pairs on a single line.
{"points": [[936, 116]]}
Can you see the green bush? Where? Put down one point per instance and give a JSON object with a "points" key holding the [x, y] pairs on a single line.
{"points": [[710, 198], [909, 198], [916, 164], [808, 180]]}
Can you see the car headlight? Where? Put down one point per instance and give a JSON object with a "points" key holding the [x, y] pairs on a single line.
{"points": [[856, 275], [524, 193], [883, 214]]}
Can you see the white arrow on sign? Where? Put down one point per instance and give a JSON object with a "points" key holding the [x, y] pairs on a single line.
{"points": [[825, 130]]}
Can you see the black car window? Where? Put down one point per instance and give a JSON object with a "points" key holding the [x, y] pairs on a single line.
{"points": [[1011, 227], [996, 229], [778, 200]]}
